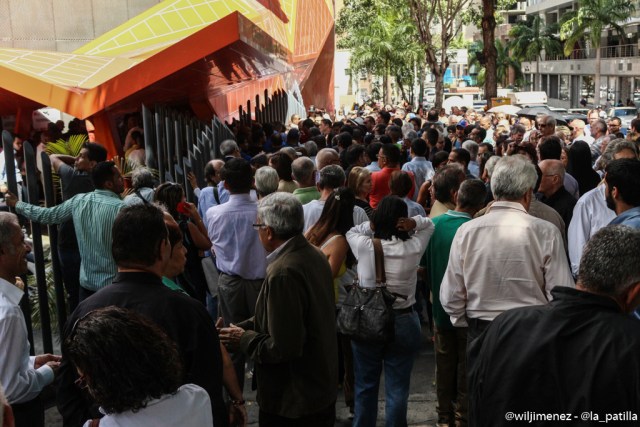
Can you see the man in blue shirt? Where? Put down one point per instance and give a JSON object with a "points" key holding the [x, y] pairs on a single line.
{"points": [[240, 257]]}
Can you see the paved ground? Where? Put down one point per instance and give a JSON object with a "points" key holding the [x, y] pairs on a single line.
{"points": [[421, 398]]}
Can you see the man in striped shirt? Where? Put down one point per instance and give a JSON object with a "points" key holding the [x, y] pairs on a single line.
{"points": [[93, 215]]}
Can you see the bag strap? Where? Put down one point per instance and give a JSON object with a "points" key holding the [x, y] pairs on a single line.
{"points": [[381, 276], [144, 201], [216, 195]]}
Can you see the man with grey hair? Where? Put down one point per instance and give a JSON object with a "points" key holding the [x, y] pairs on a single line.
{"points": [[303, 171], [541, 359], [591, 212], [142, 181], [266, 181], [472, 148], [229, 149], [331, 178], [292, 336], [547, 125], [598, 132], [506, 258], [23, 376]]}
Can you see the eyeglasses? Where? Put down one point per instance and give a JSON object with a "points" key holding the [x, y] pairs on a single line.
{"points": [[259, 226], [542, 125]]}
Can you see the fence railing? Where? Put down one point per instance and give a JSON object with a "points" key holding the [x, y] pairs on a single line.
{"points": [[175, 144], [622, 51]]}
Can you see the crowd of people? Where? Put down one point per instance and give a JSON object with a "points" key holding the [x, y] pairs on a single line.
{"points": [[512, 241]]}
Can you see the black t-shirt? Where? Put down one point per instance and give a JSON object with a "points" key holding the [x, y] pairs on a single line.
{"points": [[73, 182]]}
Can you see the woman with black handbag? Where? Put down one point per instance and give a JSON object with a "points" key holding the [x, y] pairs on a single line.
{"points": [[399, 252]]}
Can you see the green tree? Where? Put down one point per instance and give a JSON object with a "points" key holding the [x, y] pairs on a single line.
{"points": [[588, 22], [438, 23], [383, 42], [504, 63], [531, 38]]}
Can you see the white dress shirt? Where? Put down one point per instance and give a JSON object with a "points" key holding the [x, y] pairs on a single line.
{"points": [[590, 214], [502, 260], [190, 406], [422, 170], [401, 258], [313, 210], [20, 380]]}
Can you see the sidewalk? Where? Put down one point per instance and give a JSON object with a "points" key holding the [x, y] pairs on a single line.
{"points": [[422, 396]]}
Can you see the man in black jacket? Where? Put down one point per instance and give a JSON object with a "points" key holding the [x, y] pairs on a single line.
{"points": [[140, 249], [575, 358]]}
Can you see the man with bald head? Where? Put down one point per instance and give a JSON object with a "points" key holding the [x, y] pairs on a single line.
{"points": [[303, 172], [552, 189], [213, 194], [578, 133], [327, 156], [547, 125]]}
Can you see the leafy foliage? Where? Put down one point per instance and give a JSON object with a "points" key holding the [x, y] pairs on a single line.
{"points": [[505, 61], [532, 37], [71, 147]]}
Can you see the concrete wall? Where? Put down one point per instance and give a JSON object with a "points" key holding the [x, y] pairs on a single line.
{"points": [[62, 25]]}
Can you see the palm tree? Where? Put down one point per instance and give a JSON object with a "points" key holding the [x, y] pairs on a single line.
{"points": [[531, 38], [588, 22], [504, 62]]}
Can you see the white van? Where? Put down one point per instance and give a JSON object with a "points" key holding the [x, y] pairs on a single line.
{"points": [[528, 99]]}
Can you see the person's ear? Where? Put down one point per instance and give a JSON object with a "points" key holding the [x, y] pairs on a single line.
{"points": [[454, 197], [632, 298]]}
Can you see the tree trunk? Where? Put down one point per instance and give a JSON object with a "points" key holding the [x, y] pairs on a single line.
{"points": [[596, 79], [489, 50], [538, 74], [385, 79], [438, 73], [402, 91]]}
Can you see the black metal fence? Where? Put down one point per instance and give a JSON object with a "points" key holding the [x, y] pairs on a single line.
{"points": [[175, 144]]}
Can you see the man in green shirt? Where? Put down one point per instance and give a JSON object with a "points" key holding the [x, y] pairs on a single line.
{"points": [[303, 170], [93, 215], [451, 343]]}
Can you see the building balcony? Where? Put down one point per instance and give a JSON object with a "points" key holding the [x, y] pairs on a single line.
{"points": [[607, 52]]}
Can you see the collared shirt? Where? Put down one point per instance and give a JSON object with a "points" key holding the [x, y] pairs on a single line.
{"points": [[313, 210], [563, 203], [422, 170], [400, 258], [589, 215], [276, 253], [20, 380], [234, 241], [93, 215], [474, 169], [571, 185], [440, 208], [630, 218], [306, 194], [373, 167], [207, 199], [414, 208], [502, 260]]}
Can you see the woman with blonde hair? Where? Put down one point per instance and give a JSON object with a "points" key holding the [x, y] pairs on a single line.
{"points": [[359, 181]]}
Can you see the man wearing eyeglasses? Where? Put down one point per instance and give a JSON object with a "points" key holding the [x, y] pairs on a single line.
{"points": [[23, 376], [614, 126], [547, 125]]}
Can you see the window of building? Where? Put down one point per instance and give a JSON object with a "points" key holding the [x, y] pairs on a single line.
{"points": [[563, 91], [553, 86], [587, 89]]}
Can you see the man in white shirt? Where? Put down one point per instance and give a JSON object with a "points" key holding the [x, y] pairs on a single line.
{"points": [[23, 376], [505, 259], [578, 132]]}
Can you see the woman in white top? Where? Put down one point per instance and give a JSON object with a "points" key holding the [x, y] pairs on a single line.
{"points": [[133, 371], [402, 252]]}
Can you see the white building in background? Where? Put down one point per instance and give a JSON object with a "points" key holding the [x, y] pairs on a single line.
{"points": [[568, 79]]}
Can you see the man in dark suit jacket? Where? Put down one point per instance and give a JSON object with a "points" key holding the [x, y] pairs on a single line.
{"points": [[140, 248], [292, 337]]}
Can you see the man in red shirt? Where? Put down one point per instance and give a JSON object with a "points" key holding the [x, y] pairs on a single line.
{"points": [[389, 161]]}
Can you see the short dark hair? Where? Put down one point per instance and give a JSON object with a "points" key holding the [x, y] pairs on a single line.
{"points": [[308, 123], [447, 180], [102, 173], [488, 146], [95, 151], [373, 149], [550, 148], [326, 122], [439, 158], [353, 153], [138, 231], [281, 162], [432, 136], [472, 194], [400, 183], [385, 218], [385, 116], [344, 139], [482, 133], [124, 342], [237, 175], [392, 152], [463, 155], [624, 174], [432, 115], [419, 147]]}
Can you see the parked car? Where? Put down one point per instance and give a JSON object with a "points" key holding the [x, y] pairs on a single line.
{"points": [[625, 114]]}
